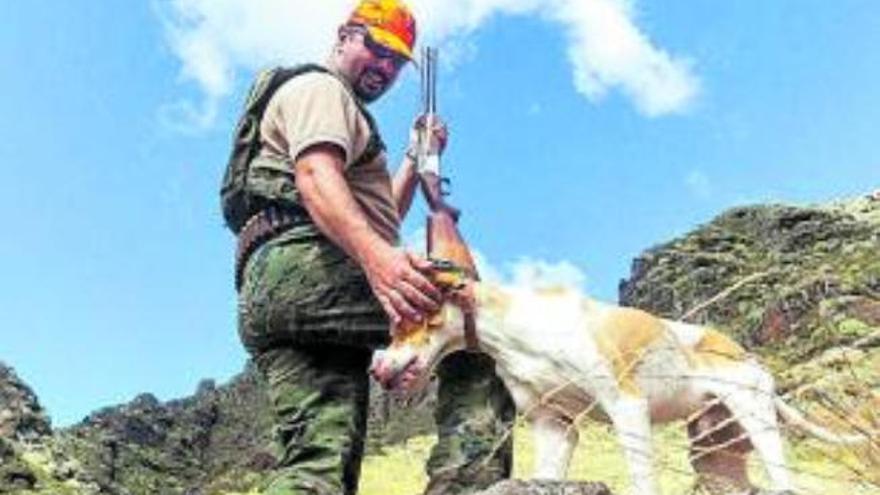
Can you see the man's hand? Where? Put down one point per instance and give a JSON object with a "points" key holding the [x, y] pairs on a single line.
{"points": [[398, 283], [394, 275], [436, 131], [406, 178]]}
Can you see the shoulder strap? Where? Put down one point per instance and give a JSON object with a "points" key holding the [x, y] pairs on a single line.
{"points": [[270, 80], [281, 75]]}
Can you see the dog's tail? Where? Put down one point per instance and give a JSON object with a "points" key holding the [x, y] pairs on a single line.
{"points": [[796, 418]]}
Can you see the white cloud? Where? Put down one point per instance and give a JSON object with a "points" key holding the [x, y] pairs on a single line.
{"points": [[607, 50], [214, 39], [532, 273], [524, 272], [540, 273], [698, 184]]}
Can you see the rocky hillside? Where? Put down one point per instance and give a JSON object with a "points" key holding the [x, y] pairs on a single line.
{"points": [[216, 441], [800, 286], [22, 418], [23, 422], [813, 276]]}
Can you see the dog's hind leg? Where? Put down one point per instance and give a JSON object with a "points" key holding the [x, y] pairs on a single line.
{"points": [[632, 422], [719, 447], [749, 395], [555, 439]]}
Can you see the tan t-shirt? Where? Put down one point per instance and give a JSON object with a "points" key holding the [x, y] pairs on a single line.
{"points": [[318, 108]]}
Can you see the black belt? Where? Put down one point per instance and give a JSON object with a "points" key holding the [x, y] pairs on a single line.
{"points": [[262, 227]]}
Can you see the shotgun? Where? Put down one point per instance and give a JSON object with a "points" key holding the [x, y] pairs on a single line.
{"points": [[434, 185], [445, 244]]}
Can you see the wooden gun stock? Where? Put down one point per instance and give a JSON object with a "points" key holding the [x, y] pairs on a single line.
{"points": [[445, 243]]}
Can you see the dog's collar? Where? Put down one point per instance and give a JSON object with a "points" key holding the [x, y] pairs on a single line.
{"points": [[455, 281]]}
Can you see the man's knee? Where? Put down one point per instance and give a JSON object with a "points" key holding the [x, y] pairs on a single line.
{"points": [[468, 382], [475, 416]]}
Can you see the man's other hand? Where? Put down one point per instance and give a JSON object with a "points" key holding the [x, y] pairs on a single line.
{"points": [[434, 128]]}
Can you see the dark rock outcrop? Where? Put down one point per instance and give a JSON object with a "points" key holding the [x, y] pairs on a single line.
{"points": [[22, 422], [815, 277], [218, 439], [22, 418], [799, 286], [540, 487]]}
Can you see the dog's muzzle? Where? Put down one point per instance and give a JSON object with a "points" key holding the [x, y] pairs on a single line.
{"points": [[395, 374]]}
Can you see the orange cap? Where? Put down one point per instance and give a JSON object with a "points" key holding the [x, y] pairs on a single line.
{"points": [[389, 22]]}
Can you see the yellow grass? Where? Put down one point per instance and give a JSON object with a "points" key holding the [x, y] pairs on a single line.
{"points": [[400, 470]]}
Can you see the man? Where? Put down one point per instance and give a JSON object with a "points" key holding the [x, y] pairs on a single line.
{"points": [[319, 291]]}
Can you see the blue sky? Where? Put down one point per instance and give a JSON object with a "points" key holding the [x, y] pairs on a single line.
{"points": [[116, 264]]}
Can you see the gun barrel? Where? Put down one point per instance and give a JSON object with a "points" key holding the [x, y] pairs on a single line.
{"points": [[429, 80]]}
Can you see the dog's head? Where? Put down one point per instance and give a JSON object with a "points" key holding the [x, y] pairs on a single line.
{"points": [[407, 364]]}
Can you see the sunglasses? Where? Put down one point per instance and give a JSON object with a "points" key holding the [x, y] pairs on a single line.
{"points": [[381, 51]]}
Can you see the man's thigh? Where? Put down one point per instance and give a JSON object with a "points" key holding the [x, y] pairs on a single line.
{"points": [[474, 416], [307, 292], [319, 397]]}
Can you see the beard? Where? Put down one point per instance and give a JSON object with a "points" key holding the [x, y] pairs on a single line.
{"points": [[371, 84]]}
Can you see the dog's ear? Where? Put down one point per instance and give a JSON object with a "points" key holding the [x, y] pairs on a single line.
{"points": [[446, 243]]}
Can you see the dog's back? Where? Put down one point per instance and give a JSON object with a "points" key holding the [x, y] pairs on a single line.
{"points": [[667, 362]]}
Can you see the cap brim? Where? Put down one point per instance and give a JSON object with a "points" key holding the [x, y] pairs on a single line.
{"points": [[390, 40]]}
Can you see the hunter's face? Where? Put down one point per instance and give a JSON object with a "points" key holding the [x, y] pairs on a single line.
{"points": [[374, 67]]}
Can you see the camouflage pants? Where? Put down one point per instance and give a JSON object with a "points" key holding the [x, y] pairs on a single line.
{"points": [[474, 417], [308, 318], [319, 397]]}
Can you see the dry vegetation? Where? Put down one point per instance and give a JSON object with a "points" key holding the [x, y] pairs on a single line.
{"points": [[818, 468]]}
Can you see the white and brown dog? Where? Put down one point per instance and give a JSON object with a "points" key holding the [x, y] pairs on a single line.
{"points": [[564, 357]]}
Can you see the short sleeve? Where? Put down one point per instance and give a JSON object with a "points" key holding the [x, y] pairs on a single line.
{"points": [[316, 108]]}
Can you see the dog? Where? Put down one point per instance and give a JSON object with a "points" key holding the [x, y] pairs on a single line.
{"points": [[563, 357]]}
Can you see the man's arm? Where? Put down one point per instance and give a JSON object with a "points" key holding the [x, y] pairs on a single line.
{"points": [[393, 274], [403, 185]]}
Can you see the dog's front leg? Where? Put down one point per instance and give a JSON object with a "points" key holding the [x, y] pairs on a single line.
{"points": [[555, 440], [631, 420]]}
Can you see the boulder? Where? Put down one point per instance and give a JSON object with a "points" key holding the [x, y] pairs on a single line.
{"points": [[546, 487]]}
